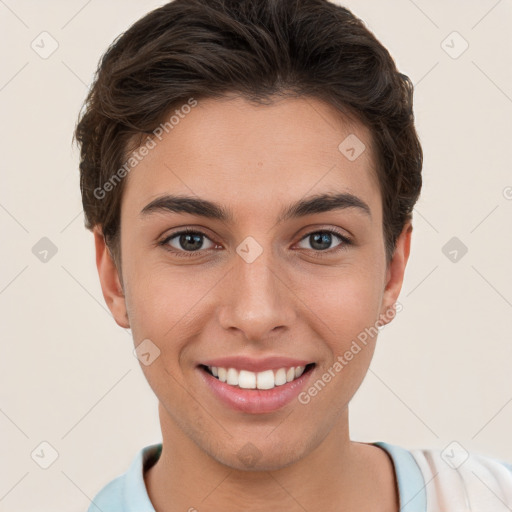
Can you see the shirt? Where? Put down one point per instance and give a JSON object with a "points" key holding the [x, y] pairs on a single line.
{"points": [[429, 480]]}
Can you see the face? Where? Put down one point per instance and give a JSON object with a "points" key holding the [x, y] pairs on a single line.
{"points": [[256, 277]]}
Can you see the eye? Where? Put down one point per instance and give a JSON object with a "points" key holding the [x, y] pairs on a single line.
{"points": [[322, 239], [185, 242], [189, 242]]}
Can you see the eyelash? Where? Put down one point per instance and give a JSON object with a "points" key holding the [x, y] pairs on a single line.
{"points": [[318, 254]]}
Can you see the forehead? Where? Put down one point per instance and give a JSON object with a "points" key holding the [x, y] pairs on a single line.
{"points": [[232, 151]]}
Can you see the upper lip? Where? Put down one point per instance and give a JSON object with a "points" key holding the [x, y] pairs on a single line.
{"points": [[256, 365]]}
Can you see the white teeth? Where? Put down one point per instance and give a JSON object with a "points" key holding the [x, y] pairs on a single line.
{"points": [[246, 380], [232, 377], [280, 377], [267, 379]]}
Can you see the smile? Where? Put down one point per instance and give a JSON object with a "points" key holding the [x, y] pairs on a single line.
{"points": [[255, 392]]}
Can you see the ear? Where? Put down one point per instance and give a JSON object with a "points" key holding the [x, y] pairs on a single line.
{"points": [[395, 274], [109, 279]]}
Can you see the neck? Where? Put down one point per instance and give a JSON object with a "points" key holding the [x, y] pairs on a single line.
{"points": [[335, 474]]}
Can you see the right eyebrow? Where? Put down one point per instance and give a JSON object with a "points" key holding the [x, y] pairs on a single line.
{"points": [[188, 204]]}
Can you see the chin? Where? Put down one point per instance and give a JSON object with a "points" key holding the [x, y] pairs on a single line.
{"points": [[252, 456]]}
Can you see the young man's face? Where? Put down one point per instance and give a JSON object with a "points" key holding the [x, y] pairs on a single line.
{"points": [[256, 285]]}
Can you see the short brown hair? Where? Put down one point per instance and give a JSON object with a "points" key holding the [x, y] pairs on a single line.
{"points": [[258, 49]]}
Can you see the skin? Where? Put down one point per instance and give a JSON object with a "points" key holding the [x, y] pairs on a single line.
{"points": [[256, 160]]}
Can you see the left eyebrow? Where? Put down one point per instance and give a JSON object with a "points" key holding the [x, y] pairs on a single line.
{"points": [[324, 203], [204, 208]]}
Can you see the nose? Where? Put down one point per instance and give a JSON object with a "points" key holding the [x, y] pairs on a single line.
{"points": [[257, 300]]}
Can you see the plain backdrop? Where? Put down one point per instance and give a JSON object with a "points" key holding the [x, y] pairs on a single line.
{"points": [[441, 371]]}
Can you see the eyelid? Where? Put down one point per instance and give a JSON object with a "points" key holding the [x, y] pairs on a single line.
{"points": [[342, 233]]}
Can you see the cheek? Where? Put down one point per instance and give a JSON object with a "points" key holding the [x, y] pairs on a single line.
{"points": [[157, 303], [345, 312], [161, 311], [167, 306], [347, 303]]}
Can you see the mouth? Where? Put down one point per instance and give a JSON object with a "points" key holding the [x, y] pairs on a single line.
{"points": [[256, 392]]}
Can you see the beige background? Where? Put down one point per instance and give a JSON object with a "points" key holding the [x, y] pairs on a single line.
{"points": [[441, 371]]}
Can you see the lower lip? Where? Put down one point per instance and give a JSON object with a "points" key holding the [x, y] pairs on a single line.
{"points": [[256, 401]]}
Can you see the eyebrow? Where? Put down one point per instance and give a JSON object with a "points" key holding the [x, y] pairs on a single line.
{"points": [[204, 208]]}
